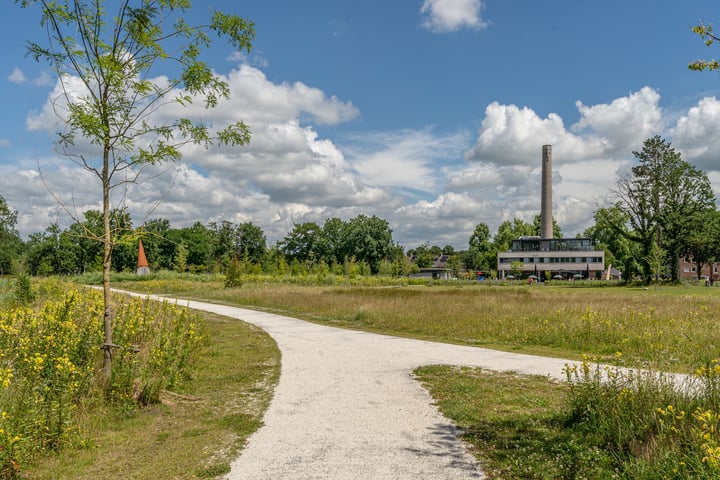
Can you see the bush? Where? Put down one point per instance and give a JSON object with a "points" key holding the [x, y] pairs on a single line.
{"points": [[23, 292]]}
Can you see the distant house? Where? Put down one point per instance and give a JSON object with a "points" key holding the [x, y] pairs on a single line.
{"points": [[688, 270], [438, 271]]}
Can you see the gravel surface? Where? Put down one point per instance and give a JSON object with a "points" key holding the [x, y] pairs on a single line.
{"points": [[347, 407]]}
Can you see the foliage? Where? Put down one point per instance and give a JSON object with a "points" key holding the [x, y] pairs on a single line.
{"points": [[651, 424], [611, 233], [605, 422], [705, 32], [233, 276], [557, 231], [480, 253], [664, 199], [10, 242], [514, 424]]}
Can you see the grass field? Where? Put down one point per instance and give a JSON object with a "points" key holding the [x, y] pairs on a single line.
{"points": [[632, 427], [672, 328], [519, 427]]}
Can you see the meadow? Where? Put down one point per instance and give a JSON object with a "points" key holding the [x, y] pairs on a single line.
{"points": [[669, 328], [630, 426], [605, 422], [186, 392]]}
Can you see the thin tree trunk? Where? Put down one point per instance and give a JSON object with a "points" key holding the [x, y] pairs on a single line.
{"points": [[107, 254]]}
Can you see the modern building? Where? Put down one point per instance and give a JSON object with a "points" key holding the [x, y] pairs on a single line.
{"points": [[545, 256], [559, 258]]}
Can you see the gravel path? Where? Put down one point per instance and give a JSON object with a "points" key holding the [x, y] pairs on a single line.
{"points": [[346, 406]]}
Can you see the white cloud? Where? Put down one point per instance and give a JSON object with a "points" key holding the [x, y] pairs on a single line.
{"points": [[697, 134], [44, 80], [17, 76], [4, 142], [622, 122], [431, 187], [406, 159], [510, 135], [452, 15]]}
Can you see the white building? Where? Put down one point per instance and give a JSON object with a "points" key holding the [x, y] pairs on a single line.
{"points": [[566, 258]]}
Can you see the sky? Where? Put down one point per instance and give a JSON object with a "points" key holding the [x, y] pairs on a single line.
{"points": [[430, 114]]}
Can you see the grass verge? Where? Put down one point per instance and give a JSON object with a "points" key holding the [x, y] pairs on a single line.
{"points": [[190, 435], [515, 424]]}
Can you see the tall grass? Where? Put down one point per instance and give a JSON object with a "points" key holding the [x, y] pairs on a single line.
{"points": [[671, 329], [49, 357], [651, 425]]}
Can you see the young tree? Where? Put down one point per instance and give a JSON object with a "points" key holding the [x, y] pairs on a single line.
{"points": [[479, 248], [115, 56]]}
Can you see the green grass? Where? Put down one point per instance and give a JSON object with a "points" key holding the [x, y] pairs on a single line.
{"points": [[516, 424], [520, 427], [195, 433]]}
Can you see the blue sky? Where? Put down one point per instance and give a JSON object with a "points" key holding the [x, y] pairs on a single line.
{"points": [[428, 113]]}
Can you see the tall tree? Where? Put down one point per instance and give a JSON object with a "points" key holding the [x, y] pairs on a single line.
{"points": [[197, 240], [115, 56], [305, 242], [250, 242], [368, 239], [610, 232], [557, 231], [51, 253], [664, 199], [703, 243], [509, 231], [333, 232]]}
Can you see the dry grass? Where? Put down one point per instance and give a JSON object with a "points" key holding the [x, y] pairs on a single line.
{"points": [[674, 328]]}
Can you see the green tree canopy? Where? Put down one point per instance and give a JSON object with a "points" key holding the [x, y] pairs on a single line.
{"points": [[664, 199], [305, 242], [367, 239]]}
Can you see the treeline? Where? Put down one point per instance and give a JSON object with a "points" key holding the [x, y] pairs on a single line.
{"points": [[664, 210], [362, 244]]}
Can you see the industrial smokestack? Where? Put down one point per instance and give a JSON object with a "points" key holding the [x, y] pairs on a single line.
{"points": [[546, 220]]}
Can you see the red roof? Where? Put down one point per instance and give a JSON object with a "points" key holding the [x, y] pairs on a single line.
{"points": [[142, 260]]}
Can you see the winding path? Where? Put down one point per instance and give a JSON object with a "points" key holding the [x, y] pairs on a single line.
{"points": [[347, 407]]}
